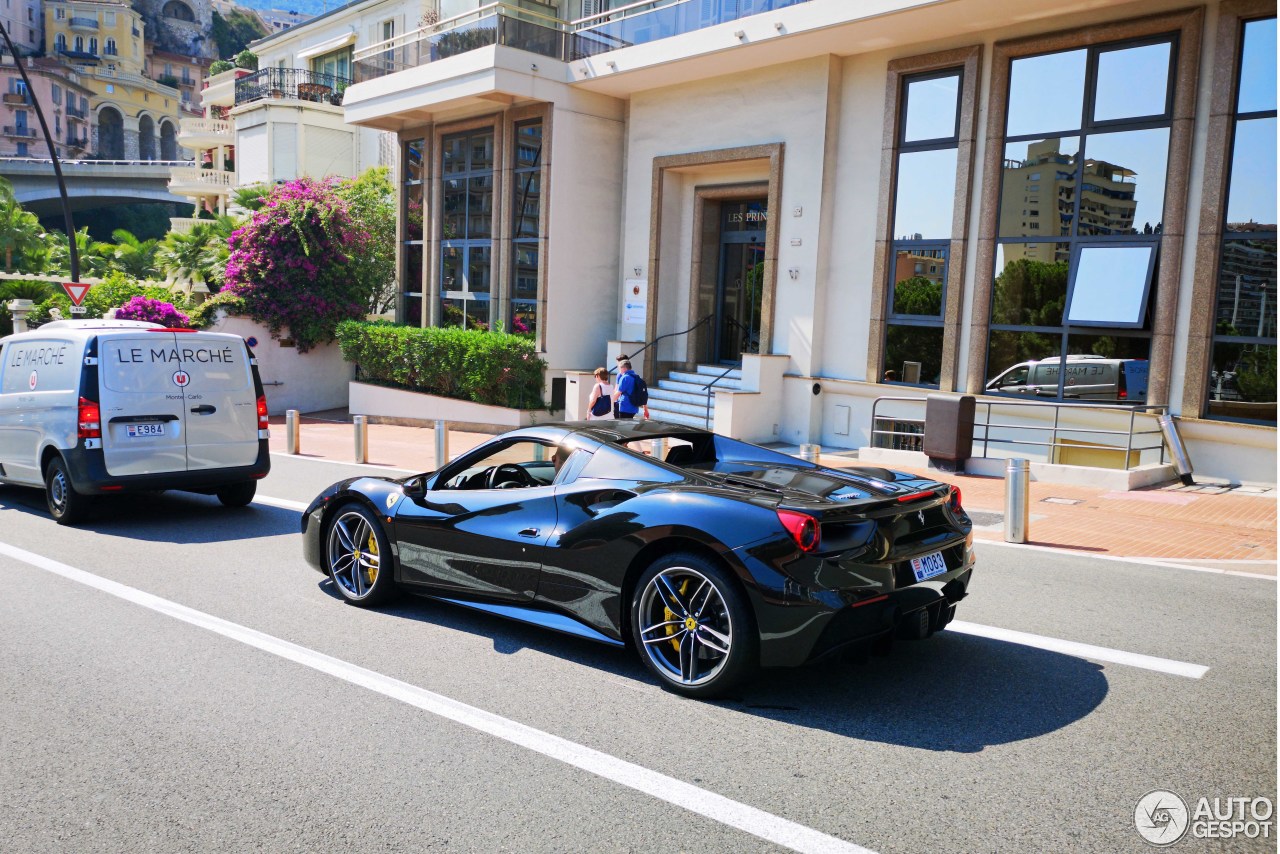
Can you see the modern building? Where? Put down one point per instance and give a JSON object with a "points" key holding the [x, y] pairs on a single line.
{"points": [[64, 99], [136, 117], [278, 20], [740, 181]]}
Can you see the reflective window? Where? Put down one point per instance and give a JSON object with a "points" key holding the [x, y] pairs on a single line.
{"points": [[1081, 215], [1123, 182], [1046, 93], [1038, 189], [526, 230], [926, 194], [466, 252], [932, 110], [919, 277], [1132, 82], [1109, 285], [1031, 284], [409, 310], [913, 354], [1241, 384], [1258, 67], [1251, 198]]}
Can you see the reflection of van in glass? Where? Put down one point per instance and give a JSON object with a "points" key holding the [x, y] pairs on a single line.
{"points": [[1087, 378]]}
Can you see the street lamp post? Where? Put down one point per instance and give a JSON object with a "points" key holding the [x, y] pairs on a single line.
{"points": [[53, 155]]}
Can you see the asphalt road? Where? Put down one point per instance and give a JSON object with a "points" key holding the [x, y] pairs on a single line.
{"points": [[175, 678]]}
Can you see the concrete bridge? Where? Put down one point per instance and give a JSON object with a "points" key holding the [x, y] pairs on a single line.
{"points": [[90, 183]]}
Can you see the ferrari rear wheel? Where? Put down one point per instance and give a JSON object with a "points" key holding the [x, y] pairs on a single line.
{"points": [[358, 556], [692, 627]]}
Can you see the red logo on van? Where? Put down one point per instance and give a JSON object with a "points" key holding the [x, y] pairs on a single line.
{"points": [[181, 378], [32, 380]]}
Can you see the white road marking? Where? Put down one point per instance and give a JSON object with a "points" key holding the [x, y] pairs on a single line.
{"points": [[716, 807], [1081, 650], [1166, 563], [282, 503]]}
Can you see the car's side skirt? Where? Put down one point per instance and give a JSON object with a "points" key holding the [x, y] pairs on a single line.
{"points": [[545, 619]]}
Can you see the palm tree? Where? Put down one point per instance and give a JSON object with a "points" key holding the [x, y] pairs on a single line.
{"points": [[37, 292], [200, 255], [94, 256], [133, 257], [19, 229]]}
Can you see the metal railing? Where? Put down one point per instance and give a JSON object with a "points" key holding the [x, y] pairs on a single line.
{"points": [[78, 23], [24, 132], [907, 433], [76, 112], [709, 389], [296, 83], [505, 24]]}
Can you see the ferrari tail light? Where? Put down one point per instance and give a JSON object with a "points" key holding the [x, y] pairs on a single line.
{"points": [[89, 422], [954, 501], [802, 527], [263, 423]]}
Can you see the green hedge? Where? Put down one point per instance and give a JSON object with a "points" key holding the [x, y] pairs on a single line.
{"points": [[467, 364]]}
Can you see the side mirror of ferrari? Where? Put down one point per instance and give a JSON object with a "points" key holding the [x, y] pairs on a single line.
{"points": [[415, 487]]}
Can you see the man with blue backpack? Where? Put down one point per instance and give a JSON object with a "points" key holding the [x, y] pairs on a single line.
{"points": [[632, 393]]}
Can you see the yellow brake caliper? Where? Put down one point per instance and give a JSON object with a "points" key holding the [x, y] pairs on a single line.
{"points": [[371, 573], [671, 615]]}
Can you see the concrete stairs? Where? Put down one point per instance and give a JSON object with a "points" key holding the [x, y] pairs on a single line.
{"points": [[681, 399]]}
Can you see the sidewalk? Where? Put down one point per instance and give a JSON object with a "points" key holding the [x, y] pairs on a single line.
{"points": [[1210, 526]]}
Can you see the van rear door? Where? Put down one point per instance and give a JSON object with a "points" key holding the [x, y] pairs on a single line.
{"points": [[142, 403], [221, 403]]}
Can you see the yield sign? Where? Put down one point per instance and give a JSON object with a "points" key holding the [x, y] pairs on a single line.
{"points": [[76, 291]]}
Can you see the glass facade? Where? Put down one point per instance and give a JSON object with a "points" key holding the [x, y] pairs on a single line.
{"points": [[1081, 210], [413, 216], [526, 229], [923, 207], [466, 238], [1242, 374]]}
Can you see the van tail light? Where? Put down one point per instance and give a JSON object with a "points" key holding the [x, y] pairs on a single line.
{"points": [[802, 527], [89, 422], [1122, 383], [954, 501], [263, 423]]}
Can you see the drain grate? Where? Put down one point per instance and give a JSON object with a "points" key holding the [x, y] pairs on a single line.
{"points": [[1062, 500], [985, 519]]}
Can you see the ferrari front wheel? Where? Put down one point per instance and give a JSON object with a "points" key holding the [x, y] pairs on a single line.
{"points": [[692, 627], [358, 556]]}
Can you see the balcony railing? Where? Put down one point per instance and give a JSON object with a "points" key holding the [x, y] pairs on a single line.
{"points": [[76, 112], [204, 127], [22, 133], [215, 179], [295, 83], [505, 24], [84, 23], [77, 141], [17, 98]]}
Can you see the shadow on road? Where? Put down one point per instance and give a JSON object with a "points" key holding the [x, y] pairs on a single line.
{"points": [[168, 517], [952, 692]]}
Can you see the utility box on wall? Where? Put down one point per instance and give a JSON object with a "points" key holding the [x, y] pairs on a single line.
{"points": [[948, 429]]}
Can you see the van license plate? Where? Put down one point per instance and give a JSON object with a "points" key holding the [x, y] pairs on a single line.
{"points": [[928, 566], [137, 431]]}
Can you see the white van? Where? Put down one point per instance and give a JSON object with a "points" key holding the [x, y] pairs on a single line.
{"points": [[92, 407], [1087, 378]]}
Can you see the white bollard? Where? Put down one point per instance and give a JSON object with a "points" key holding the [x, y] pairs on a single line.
{"points": [[1017, 495], [442, 444], [292, 432], [361, 424]]}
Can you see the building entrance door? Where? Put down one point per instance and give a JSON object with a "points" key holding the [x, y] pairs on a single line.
{"points": [[740, 282]]}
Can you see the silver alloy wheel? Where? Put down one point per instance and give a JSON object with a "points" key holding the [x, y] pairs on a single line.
{"points": [[354, 558], [58, 487], [685, 626]]}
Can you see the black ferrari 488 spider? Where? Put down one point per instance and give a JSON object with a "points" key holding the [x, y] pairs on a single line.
{"points": [[713, 557]]}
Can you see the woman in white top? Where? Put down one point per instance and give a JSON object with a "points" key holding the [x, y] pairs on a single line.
{"points": [[600, 404]]}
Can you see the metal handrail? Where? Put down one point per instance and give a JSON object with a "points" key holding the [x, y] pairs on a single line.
{"points": [[486, 11], [663, 337], [707, 388], [988, 426]]}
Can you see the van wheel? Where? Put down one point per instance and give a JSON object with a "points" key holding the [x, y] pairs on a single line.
{"points": [[66, 506], [238, 494]]}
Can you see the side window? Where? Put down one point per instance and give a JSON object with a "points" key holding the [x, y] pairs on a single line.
{"points": [[39, 366], [609, 463], [511, 465]]}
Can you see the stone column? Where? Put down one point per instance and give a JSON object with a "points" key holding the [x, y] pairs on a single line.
{"points": [[20, 308]]}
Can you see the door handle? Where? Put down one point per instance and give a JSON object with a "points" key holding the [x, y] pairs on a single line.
{"points": [[529, 532], [204, 409]]}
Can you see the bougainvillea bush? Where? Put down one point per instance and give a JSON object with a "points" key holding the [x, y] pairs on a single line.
{"points": [[153, 311], [467, 364], [297, 264]]}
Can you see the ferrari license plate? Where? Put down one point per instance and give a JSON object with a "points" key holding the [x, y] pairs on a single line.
{"points": [[928, 566], [136, 431]]}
